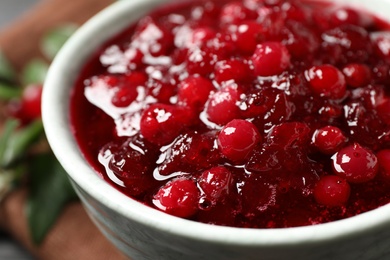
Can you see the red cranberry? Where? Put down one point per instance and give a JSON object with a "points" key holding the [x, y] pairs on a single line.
{"points": [[124, 96], [162, 90], [236, 70], [236, 12], [326, 81], [237, 139], [247, 35], [152, 38], [222, 105], [357, 75], [295, 12], [161, 124], [382, 46], [344, 16], [194, 91], [332, 191], [178, 197], [201, 35], [355, 163], [136, 78], [270, 58], [31, 102], [200, 61], [215, 183], [329, 139], [384, 163]]}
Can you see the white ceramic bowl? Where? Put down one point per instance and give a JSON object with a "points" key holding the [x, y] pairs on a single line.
{"points": [[145, 233]]}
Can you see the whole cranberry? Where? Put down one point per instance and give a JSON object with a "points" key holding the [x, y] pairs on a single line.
{"points": [[382, 46], [355, 163], [200, 61], [178, 197], [194, 91], [201, 35], [270, 58], [30, 103], [247, 35], [237, 139], [343, 16], [357, 75], [326, 81], [236, 12], [236, 70], [332, 191], [222, 105], [329, 139]]}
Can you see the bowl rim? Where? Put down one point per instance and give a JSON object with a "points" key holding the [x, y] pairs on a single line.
{"points": [[55, 115]]}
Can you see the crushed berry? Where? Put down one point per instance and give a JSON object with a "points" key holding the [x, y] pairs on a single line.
{"points": [[255, 114]]}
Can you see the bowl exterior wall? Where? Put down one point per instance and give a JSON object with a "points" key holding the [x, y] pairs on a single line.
{"points": [[139, 241]]}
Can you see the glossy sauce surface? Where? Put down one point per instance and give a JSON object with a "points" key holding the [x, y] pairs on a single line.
{"points": [[261, 114]]}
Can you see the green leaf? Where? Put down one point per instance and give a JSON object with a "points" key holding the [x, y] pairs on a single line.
{"points": [[9, 179], [7, 73], [50, 190], [54, 40], [10, 127], [34, 72], [8, 91], [19, 142]]}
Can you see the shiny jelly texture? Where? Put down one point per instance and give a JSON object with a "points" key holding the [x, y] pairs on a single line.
{"points": [[253, 113]]}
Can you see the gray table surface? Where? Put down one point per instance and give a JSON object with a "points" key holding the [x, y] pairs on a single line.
{"points": [[9, 11]]}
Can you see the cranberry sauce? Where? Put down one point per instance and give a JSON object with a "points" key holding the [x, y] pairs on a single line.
{"points": [[253, 113]]}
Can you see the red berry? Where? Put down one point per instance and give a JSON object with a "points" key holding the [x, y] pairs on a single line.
{"points": [[329, 139], [236, 70], [247, 35], [332, 191], [124, 96], [236, 12], [31, 101], [152, 38], [355, 163], [200, 61], [201, 35], [384, 163], [326, 81], [178, 197], [194, 91], [344, 16], [237, 139], [222, 105], [270, 58], [357, 75], [382, 46], [161, 124], [215, 183]]}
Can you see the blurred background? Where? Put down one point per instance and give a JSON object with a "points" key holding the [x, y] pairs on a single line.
{"points": [[10, 10]]}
